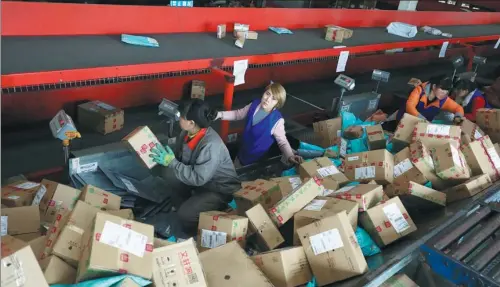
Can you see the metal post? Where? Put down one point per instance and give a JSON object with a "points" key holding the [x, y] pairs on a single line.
{"points": [[228, 99], [378, 84], [337, 110]]}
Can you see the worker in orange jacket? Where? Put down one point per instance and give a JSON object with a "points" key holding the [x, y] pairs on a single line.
{"points": [[427, 100]]}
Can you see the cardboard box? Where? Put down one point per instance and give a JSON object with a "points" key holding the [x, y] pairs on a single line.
{"points": [[100, 117], [353, 132], [116, 245], [328, 131], [422, 196], [332, 249], [123, 213], [387, 222], [336, 33], [248, 35], [497, 147], [27, 237], [330, 153], [19, 265], [470, 131], [53, 195], [21, 220], [142, 140], [422, 160], [261, 191], [287, 183], [323, 168], [365, 166], [404, 132], [216, 228], [375, 137], [468, 189], [322, 207], [284, 210], [433, 135], [450, 163], [56, 271], [399, 280], [366, 195], [198, 89], [287, 267], [157, 243], [221, 31], [99, 198], [62, 217], [38, 245], [268, 236], [482, 157], [404, 172], [489, 121], [19, 193], [229, 266], [178, 265], [238, 27]]}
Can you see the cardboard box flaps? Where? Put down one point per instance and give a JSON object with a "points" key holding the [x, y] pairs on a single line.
{"points": [[422, 160], [56, 271], [421, 195], [216, 228], [51, 196], [268, 235], [366, 195], [100, 117], [449, 162], [141, 141]]}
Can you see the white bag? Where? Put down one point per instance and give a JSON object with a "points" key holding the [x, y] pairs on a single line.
{"points": [[402, 29]]}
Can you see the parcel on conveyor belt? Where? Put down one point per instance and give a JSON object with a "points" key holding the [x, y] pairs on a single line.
{"points": [[468, 189], [422, 160], [375, 165], [421, 196], [287, 183], [375, 137], [450, 163], [19, 193], [434, 135], [404, 172], [323, 168], [366, 195], [404, 132], [489, 121], [260, 191], [337, 33], [482, 157]]}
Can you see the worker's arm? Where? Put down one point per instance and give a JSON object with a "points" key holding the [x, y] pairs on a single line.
{"points": [[452, 107], [235, 115], [279, 134], [202, 171], [412, 102], [478, 103]]}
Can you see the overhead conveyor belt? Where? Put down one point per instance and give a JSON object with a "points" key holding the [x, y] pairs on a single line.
{"points": [[25, 56]]}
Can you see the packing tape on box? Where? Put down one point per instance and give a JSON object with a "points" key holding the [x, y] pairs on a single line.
{"points": [[55, 229], [481, 140], [12, 261]]}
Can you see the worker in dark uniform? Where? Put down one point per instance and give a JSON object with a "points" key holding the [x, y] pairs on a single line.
{"points": [[469, 97], [199, 171]]}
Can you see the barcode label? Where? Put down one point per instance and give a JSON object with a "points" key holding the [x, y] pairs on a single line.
{"points": [[316, 205], [212, 239], [456, 157], [440, 130], [364, 172], [327, 171], [295, 182], [4, 224], [129, 185], [123, 238], [402, 167], [343, 147], [395, 217], [193, 278], [39, 195], [492, 152], [27, 185], [326, 241], [351, 158], [89, 167]]}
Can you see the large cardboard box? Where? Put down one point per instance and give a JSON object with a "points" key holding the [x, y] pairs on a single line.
{"points": [[287, 183], [322, 207], [323, 168], [260, 191], [423, 197], [56, 271], [337, 33], [21, 220], [399, 280], [178, 265], [19, 193], [116, 245], [422, 159], [482, 157], [375, 165], [375, 137], [287, 267], [19, 265], [229, 266], [404, 132], [100, 117], [470, 131], [366, 195], [198, 89], [141, 141], [433, 135], [387, 222], [268, 236], [99, 198], [328, 131], [284, 210], [468, 189], [450, 163], [489, 121], [53, 195], [329, 240], [216, 228], [404, 172]]}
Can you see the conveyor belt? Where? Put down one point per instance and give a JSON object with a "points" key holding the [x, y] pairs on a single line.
{"points": [[56, 53]]}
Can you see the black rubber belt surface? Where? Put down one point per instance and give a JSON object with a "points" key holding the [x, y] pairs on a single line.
{"points": [[55, 53]]}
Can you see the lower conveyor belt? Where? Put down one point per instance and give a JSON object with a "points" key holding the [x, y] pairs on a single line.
{"points": [[56, 53]]}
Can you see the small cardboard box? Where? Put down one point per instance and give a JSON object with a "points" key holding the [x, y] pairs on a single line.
{"points": [[375, 137], [323, 168], [470, 131], [482, 157], [19, 265], [198, 89], [229, 266], [268, 236], [422, 159], [404, 171], [178, 265], [248, 35], [489, 121], [216, 228], [404, 132], [353, 132], [322, 207], [238, 27], [329, 240], [423, 196], [375, 165], [328, 131], [433, 135], [62, 217], [284, 210], [19, 193], [56, 271], [399, 280], [142, 140], [21, 220], [221, 31], [53, 195], [100, 199], [260, 191], [287, 183], [240, 42], [450, 163], [387, 222], [287, 267], [336, 33], [116, 245], [100, 117], [468, 189], [366, 195]]}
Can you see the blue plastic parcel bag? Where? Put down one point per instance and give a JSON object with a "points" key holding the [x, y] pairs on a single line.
{"points": [[368, 246], [312, 283], [290, 172], [280, 30], [107, 282], [139, 40], [356, 145]]}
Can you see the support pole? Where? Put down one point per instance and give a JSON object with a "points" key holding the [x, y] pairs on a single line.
{"points": [[228, 99]]}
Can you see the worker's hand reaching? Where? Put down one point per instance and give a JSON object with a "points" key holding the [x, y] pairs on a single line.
{"points": [[162, 155], [458, 120], [295, 159]]}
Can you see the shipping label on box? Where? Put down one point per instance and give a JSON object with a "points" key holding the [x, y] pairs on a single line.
{"points": [[450, 162], [470, 131], [100, 199], [482, 157], [264, 192], [433, 135], [287, 183], [489, 121], [198, 89], [328, 131], [53, 194], [323, 168], [375, 165], [366, 195], [468, 189], [269, 237], [422, 160], [375, 137], [142, 140], [100, 117], [404, 132], [216, 228], [20, 220]]}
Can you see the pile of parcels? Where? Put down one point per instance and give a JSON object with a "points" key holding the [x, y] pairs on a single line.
{"points": [[241, 33]]}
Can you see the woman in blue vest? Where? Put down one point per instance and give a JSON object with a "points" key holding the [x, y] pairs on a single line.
{"points": [[264, 127], [470, 98]]}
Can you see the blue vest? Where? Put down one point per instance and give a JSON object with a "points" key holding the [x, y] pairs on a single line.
{"points": [[477, 93], [429, 113], [257, 139]]}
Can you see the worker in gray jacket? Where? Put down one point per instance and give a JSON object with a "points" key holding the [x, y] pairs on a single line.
{"points": [[199, 171]]}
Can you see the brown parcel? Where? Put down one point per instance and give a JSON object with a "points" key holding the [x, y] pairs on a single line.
{"points": [[56, 271], [19, 265], [470, 131], [221, 31], [27, 237], [53, 195], [287, 267], [38, 246], [328, 131], [141, 141], [422, 195], [123, 213], [404, 172], [264, 192], [489, 121], [178, 265], [15, 197], [102, 256], [62, 217], [366, 195], [404, 132], [336, 33], [324, 169], [295, 201], [100, 117], [450, 163], [328, 240], [99, 198], [468, 189], [422, 160], [387, 222], [268, 236], [353, 132], [198, 89], [216, 228], [21, 220], [287, 183], [229, 266], [248, 35], [482, 157], [365, 166], [322, 207], [433, 135], [399, 280], [375, 137]]}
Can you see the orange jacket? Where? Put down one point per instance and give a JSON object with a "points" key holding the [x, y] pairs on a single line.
{"points": [[414, 98]]}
